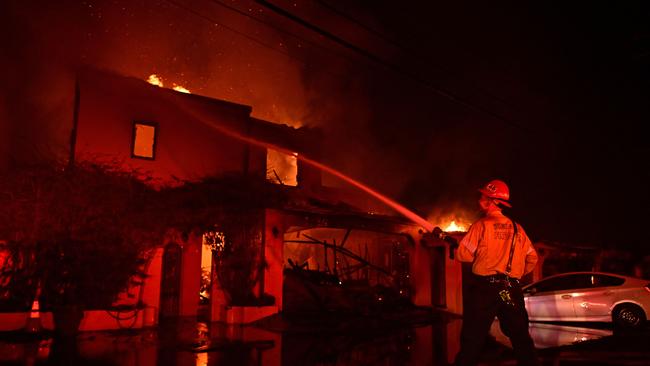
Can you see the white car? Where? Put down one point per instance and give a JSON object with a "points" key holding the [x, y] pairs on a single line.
{"points": [[589, 296]]}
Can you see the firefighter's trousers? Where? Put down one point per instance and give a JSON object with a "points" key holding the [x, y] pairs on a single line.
{"points": [[482, 302]]}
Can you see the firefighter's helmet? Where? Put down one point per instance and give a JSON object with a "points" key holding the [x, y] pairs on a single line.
{"points": [[497, 190]]}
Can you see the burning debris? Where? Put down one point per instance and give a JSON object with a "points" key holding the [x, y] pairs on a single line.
{"points": [[346, 270], [282, 168]]}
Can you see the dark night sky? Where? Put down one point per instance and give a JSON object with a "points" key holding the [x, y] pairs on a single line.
{"points": [[549, 97]]}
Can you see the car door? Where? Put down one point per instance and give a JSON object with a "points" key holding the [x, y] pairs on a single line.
{"points": [[552, 299], [545, 306], [593, 303]]}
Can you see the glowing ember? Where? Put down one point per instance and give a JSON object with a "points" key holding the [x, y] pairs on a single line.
{"points": [[157, 81]]}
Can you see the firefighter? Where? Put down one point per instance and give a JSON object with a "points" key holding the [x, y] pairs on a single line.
{"points": [[500, 253]]}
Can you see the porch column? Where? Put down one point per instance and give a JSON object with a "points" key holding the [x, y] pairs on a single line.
{"points": [[274, 254]]}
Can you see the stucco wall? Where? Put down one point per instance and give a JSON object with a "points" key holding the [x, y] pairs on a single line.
{"points": [[188, 145]]}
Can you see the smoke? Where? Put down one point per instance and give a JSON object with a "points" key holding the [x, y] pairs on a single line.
{"points": [[373, 119], [389, 131], [37, 73], [208, 49]]}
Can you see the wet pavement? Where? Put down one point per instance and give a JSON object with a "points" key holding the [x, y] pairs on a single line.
{"points": [[429, 340]]}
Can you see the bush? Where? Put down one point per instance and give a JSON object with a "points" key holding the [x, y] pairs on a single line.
{"points": [[79, 236]]}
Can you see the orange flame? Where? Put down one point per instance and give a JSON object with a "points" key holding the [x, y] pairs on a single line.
{"points": [[454, 222], [452, 226], [282, 168], [179, 88], [157, 81]]}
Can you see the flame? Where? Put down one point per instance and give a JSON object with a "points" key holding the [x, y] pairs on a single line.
{"points": [[282, 168], [452, 226], [179, 88], [455, 222], [157, 81]]}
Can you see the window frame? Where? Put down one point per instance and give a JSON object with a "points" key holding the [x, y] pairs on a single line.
{"points": [[155, 139], [277, 179], [558, 280], [618, 281]]}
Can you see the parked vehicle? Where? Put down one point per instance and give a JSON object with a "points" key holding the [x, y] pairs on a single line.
{"points": [[589, 296]]}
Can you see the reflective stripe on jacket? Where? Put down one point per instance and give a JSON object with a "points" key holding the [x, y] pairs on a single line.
{"points": [[487, 244]]}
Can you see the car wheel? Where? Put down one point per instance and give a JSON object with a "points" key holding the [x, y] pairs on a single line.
{"points": [[628, 316]]}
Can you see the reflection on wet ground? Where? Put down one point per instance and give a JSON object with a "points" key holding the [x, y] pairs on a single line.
{"points": [[432, 341], [553, 335], [278, 341]]}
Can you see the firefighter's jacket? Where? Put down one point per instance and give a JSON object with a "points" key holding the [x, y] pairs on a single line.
{"points": [[487, 244]]}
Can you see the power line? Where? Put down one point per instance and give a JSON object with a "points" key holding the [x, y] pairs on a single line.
{"points": [[212, 21], [242, 34], [280, 30], [386, 64], [284, 31], [406, 49], [351, 19], [342, 42], [336, 11]]}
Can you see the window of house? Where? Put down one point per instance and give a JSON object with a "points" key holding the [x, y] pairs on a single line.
{"points": [[144, 140], [282, 168]]}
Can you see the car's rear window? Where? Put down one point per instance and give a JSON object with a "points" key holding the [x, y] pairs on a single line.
{"points": [[604, 281], [578, 281]]}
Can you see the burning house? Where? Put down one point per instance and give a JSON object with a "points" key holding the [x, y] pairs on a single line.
{"points": [[310, 251]]}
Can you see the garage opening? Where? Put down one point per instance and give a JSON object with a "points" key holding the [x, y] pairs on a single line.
{"points": [[345, 270]]}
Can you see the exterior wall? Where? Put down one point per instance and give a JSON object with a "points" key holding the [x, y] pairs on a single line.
{"points": [[151, 291], [196, 136], [256, 161], [218, 300], [309, 177], [274, 229], [453, 284], [187, 146], [449, 275], [190, 277], [421, 268]]}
